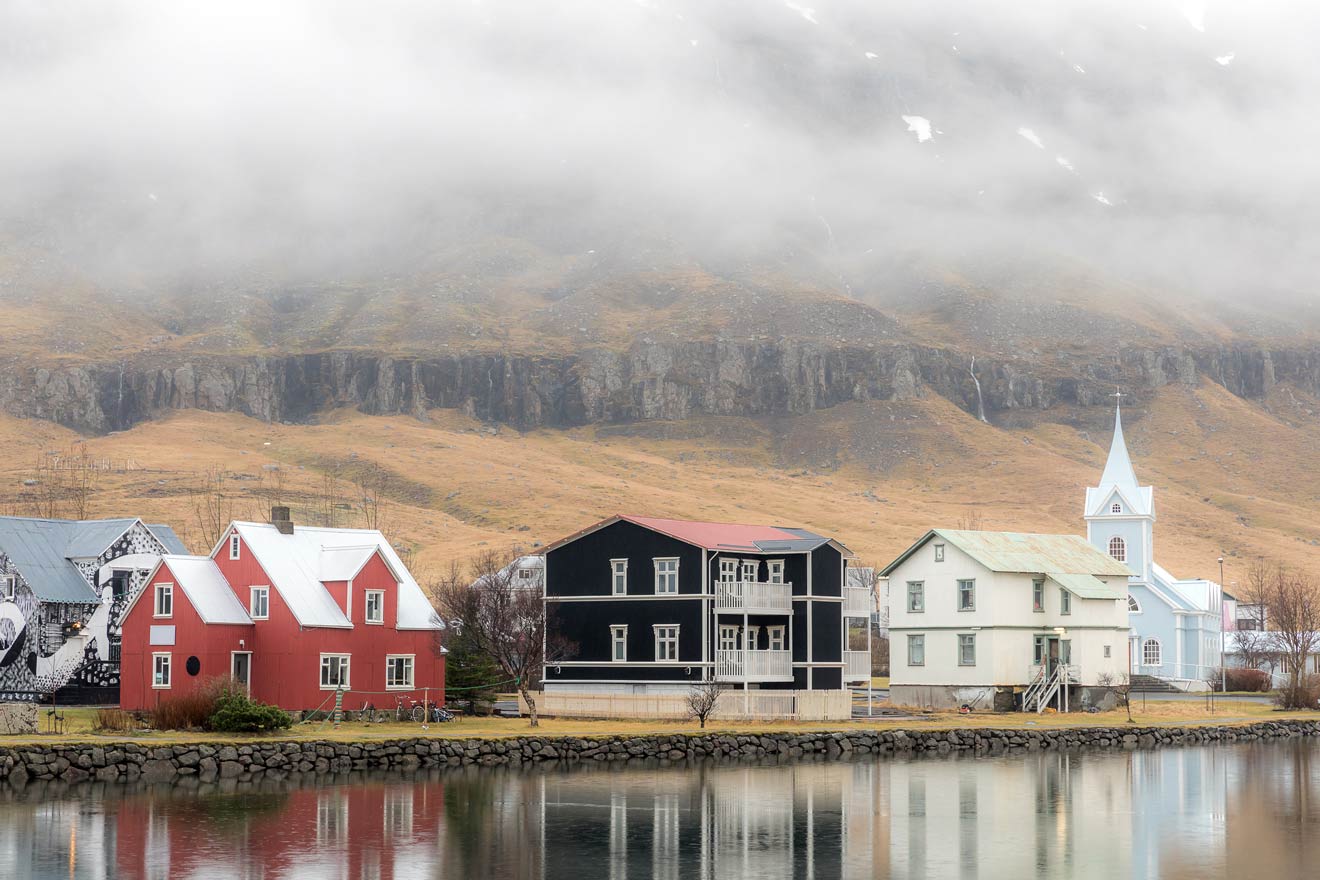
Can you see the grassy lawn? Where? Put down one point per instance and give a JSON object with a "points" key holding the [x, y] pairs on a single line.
{"points": [[79, 723], [880, 681]]}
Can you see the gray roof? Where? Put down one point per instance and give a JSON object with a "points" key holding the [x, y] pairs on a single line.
{"points": [[166, 536], [41, 549]]}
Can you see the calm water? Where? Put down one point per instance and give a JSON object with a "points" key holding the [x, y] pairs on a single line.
{"points": [[1242, 812]]}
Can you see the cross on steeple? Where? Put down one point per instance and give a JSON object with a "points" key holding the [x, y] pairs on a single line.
{"points": [[1118, 395]]}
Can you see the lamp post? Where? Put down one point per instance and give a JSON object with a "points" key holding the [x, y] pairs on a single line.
{"points": [[1223, 636]]}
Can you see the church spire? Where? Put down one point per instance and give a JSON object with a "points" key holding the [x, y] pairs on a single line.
{"points": [[1118, 469]]}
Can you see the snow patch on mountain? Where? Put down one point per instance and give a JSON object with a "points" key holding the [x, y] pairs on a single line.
{"points": [[1225, 60], [805, 11], [1064, 163], [1031, 136], [1102, 199], [920, 125]]}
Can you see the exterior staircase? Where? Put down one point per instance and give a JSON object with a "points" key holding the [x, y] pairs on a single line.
{"points": [[1149, 684]]}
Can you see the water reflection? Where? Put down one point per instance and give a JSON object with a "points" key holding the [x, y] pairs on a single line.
{"points": [[1246, 811]]}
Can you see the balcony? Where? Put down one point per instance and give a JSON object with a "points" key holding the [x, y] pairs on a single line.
{"points": [[857, 602], [751, 597], [753, 666], [857, 666]]}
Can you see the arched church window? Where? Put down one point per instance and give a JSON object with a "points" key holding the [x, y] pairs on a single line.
{"points": [[1116, 508], [1118, 548], [1150, 652], [1133, 605]]}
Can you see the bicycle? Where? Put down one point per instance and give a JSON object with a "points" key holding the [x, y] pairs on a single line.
{"points": [[408, 709], [369, 714]]}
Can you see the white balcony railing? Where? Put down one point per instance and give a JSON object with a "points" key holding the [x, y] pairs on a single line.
{"points": [[857, 602], [754, 665], [752, 597], [857, 665]]}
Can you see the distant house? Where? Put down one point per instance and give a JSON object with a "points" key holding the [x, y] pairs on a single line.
{"points": [[1004, 620], [526, 572], [64, 585], [656, 605], [293, 612]]}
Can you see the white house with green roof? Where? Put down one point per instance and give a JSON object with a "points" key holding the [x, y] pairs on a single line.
{"points": [[1004, 620]]}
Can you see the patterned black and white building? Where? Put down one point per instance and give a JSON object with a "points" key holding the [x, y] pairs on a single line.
{"points": [[63, 586]]}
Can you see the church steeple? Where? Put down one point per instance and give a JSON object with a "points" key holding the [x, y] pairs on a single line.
{"points": [[1118, 468], [1120, 512]]}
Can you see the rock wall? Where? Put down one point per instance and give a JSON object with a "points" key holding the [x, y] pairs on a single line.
{"points": [[649, 381], [129, 762]]}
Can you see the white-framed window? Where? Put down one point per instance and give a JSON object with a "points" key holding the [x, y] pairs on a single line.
{"points": [[399, 671], [939, 552], [749, 568], [916, 596], [1134, 607], [778, 638], [666, 641], [1115, 508], [1108, 651], [8, 586], [160, 670], [728, 571], [776, 570], [1065, 601], [1038, 650], [1038, 595], [259, 603], [334, 671], [1151, 655], [1118, 548], [526, 574], [619, 577], [666, 576], [730, 637], [916, 650], [373, 607], [967, 595], [619, 642], [967, 649], [234, 545], [164, 600]]}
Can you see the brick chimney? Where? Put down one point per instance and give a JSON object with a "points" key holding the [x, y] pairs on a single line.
{"points": [[280, 519]]}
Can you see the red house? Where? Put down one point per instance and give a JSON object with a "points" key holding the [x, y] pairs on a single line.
{"points": [[293, 612]]}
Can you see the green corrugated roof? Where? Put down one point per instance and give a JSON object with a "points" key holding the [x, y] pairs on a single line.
{"points": [[1088, 586], [1020, 552]]}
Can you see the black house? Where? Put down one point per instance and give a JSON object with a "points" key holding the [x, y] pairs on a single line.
{"points": [[655, 605]]}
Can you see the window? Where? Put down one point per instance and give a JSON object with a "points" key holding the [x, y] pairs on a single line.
{"points": [[666, 641], [526, 574], [1150, 652], [259, 603], [730, 637], [1134, 607], [1116, 508], [7, 586], [1038, 596], [666, 575], [966, 595], [728, 571], [398, 671], [777, 641], [334, 671], [234, 545], [916, 650], [916, 596], [619, 643], [1108, 651], [160, 670], [749, 567], [374, 606], [966, 649], [164, 600], [1038, 650], [1065, 601], [1118, 548], [776, 568], [619, 577], [939, 552], [119, 581]]}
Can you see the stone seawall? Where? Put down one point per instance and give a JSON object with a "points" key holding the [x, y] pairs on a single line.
{"points": [[131, 761]]}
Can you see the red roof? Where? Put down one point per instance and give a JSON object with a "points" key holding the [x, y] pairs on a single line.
{"points": [[719, 536]]}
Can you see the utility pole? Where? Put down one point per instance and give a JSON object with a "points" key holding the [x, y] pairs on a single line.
{"points": [[1223, 635]]}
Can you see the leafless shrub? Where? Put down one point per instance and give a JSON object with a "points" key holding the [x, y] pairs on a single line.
{"points": [[702, 699]]}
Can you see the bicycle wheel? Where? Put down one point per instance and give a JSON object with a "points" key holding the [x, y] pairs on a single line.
{"points": [[418, 713]]}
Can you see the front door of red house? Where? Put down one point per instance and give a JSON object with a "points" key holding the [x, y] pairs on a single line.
{"points": [[241, 668]]}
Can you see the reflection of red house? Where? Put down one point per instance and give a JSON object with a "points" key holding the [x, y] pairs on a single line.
{"points": [[295, 612]]}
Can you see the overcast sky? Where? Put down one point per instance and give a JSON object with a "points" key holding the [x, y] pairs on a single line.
{"points": [[1172, 141]]}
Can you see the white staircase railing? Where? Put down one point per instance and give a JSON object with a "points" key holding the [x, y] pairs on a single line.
{"points": [[1046, 687]]}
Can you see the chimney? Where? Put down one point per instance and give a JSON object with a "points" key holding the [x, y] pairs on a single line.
{"points": [[280, 519]]}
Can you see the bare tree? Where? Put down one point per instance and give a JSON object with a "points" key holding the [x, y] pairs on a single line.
{"points": [[1292, 606], [42, 493], [971, 521], [79, 477], [505, 620], [702, 699], [331, 495], [369, 483], [1121, 687], [212, 505], [61, 483]]}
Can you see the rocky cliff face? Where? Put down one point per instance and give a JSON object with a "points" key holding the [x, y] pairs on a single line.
{"points": [[649, 381]]}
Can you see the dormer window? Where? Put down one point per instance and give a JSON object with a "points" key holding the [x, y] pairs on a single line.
{"points": [[234, 545], [1116, 508], [1118, 548]]}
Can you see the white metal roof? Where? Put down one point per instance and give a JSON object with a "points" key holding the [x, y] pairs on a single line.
{"points": [[206, 588], [297, 566]]}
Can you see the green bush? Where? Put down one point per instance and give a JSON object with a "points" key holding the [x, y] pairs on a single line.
{"points": [[237, 713]]}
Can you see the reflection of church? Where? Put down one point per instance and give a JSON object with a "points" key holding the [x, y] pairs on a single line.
{"points": [[63, 586]]}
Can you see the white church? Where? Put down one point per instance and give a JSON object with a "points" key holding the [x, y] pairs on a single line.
{"points": [[1175, 624]]}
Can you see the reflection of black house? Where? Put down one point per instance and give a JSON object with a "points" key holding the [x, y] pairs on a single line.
{"points": [[653, 605]]}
